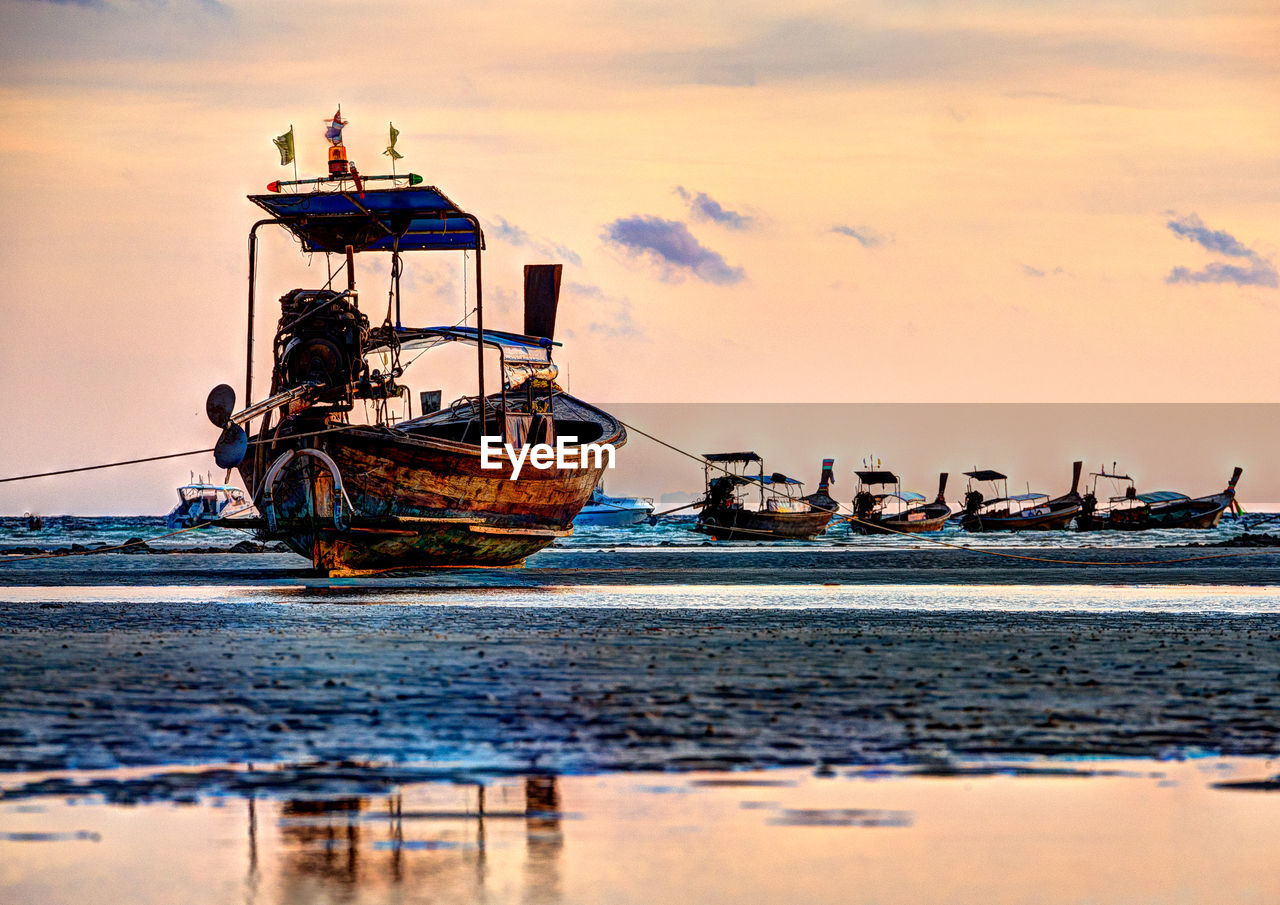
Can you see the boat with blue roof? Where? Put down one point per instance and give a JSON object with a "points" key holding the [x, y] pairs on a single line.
{"points": [[1030, 511]]}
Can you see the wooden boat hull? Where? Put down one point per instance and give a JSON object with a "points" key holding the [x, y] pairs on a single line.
{"points": [[1201, 513], [411, 501], [749, 524], [914, 521], [1050, 521]]}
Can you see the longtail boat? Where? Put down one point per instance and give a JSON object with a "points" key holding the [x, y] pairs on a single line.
{"points": [[1023, 512], [1095, 516], [425, 491], [881, 506], [1169, 509], [781, 513]]}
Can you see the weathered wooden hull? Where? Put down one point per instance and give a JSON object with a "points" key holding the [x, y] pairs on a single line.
{"points": [[747, 524], [1201, 513], [414, 502], [1050, 521], [920, 520]]}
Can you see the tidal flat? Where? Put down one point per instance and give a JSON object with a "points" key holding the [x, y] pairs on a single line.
{"points": [[782, 731]]}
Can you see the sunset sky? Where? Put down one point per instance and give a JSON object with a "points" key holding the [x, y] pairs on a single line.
{"points": [[857, 202]]}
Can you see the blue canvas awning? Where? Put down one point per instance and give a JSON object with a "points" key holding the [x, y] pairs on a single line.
{"points": [[908, 496], [418, 218], [1162, 496]]}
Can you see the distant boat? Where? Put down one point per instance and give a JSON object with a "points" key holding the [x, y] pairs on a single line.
{"points": [[1096, 517], [782, 512], [1023, 512], [603, 510], [1169, 509], [203, 502], [881, 506]]}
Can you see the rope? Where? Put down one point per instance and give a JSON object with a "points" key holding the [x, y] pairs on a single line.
{"points": [[941, 543], [177, 455]]}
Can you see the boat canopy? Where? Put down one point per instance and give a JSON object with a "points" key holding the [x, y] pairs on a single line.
{"points": [[986, 475], [523, 357], [731, 457], [418, 218], [1024, 497], [774, 478], [516, 344], [877, 477], [908, 496], [1162, 496]]}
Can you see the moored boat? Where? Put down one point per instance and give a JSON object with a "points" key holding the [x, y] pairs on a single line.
{"points": [[1097, 517], [486, 481], [1022, 512], [881, 506], [781, 512], [204, 502], [1170, 509], [604, 511]]}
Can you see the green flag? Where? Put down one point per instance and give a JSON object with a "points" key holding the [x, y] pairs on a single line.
{"points": [[391, 148], [284, 144]]}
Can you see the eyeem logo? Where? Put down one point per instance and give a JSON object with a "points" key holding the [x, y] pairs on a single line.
{"points": [[544, 455]]}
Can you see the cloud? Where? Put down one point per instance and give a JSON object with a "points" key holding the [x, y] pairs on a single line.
{"points": [[1259, 271], [704, 207], [838, 49], [514, 235], [1037, 272], [614, 313], [866, 236], [670, 244]]}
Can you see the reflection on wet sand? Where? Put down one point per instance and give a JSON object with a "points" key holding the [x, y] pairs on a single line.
{"points": [[355, 848], [1056, 832]]}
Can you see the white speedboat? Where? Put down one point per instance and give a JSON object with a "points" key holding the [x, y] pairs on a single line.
{"points": [[203, 501], [613, 511]]}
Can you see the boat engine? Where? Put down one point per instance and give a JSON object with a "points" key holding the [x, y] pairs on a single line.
{"points": [[973, 500], [864, 504], [320, 339]]}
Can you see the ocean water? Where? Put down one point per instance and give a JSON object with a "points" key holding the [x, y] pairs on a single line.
{"points": [[63, 531]]}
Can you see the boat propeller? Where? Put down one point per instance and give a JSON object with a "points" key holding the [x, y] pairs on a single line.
{"points": [[231, 447]]}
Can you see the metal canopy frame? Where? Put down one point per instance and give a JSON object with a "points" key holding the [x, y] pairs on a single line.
{"points": [[378, 221]]}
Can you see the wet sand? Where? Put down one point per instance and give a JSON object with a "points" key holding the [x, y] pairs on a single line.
{"points": [[510, 684]]}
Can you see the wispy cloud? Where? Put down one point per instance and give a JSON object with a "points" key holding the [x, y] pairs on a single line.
{"points": [[669, 244], [514, 235], [840, 48], [1258, 271], [611, 315], [866, 236], [704, 207]]}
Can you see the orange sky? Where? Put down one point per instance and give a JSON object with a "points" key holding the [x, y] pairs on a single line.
{"points": [[935, 201]]}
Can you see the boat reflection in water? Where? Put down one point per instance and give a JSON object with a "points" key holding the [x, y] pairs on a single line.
{"points": [[371, 848]]}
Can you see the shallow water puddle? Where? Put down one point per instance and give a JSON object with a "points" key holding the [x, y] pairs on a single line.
{"points": [[1049, 831]]}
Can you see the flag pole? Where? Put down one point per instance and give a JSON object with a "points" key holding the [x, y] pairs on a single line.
{"points": [[390, 126], [295, 152]]}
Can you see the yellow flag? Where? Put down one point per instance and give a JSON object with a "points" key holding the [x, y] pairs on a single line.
{"points": [[284, 144], [391, 148]]}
